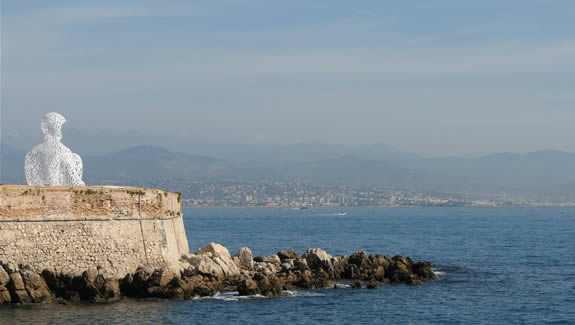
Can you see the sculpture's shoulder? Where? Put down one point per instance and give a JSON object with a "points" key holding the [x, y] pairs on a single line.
{"points": [[49, 148]]}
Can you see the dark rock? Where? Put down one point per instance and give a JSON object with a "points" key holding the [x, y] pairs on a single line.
{"points": [[200, 285], [268, 285], [378, 273], [372, 284], [356, 284], [380, 260], [399, 272], [316, 280], [248, 287], [301, 264], [423, 270], [339, 265], [285, 255], [361, 260], [352, 272]]}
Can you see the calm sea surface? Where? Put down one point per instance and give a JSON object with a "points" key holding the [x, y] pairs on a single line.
{"points": [[506, 266]]}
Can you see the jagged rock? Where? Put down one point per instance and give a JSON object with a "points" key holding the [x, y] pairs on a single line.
{"points": [[361, 260], [11, 267], [214, 249], [356, 284], [378, 273], [4, 280], [372, 284], [423, 270], [213, 259], [245, 258], [398, 272], [352, 272], [248, 287], [380, 260], [288, 265], [317, 259], [36, 287], [208, 271], [268, 285], [314, 280], [400, 259], [286, 255], [17, 289], [339, 265], [200, 285], [274, 259], [301, 264]]}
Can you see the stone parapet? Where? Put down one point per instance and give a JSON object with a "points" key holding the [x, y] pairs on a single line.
{"points": [[75, 228]]}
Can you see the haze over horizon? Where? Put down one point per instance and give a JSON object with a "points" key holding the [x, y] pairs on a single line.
{"points": [[436, 79]]}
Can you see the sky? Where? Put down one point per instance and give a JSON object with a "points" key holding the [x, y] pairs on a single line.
{"points": [[429, 77]]}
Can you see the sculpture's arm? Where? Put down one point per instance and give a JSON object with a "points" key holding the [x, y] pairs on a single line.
{"points": [[73, 170], [31, 170]]}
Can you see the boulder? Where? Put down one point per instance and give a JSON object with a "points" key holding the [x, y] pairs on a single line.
{"points": [[352, 272], [372, 284], [218, 260], [4, 280], [317, 259], [423, 270], [301, 264], [288, 266], [245, 258], [380, 260], [266, 268], [274, 259], [356, 284], [361, 260], [200, 285], [314, 280], [18, 290], [378, 272], [36, 287], [286, 255], [399, 272], [215, 250], [268, 285], [248, 287]]}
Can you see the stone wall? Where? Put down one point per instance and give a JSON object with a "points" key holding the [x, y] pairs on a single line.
{"points": [[72, 229]]}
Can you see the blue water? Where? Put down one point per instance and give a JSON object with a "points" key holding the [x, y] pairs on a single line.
{"points": [[504, 265]]}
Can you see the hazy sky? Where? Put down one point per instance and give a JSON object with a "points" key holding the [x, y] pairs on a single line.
{"points": [[430, 77]]}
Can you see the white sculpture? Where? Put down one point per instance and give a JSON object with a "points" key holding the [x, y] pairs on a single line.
{"points": [[51, 162]]}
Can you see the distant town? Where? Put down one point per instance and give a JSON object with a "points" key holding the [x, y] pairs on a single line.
{"points": [[303, 195]]}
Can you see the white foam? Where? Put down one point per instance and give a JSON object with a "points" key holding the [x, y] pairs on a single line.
{"points": [[438, 273], [229, 296], [342, 286], [297, 293]]}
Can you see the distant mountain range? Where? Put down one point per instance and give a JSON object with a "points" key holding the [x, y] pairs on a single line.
{"points": [[539, 173]]}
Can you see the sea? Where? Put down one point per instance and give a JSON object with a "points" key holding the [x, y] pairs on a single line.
{"points": [[494, 266]]}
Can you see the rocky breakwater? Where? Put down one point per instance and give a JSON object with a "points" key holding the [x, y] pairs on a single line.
{"points": [[210, 270]]}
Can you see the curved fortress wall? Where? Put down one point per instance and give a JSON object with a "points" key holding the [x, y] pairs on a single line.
{"points": [[75, 228]]}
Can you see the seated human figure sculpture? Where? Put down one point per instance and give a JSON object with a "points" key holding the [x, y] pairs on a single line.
{"points": [[51, 162]]}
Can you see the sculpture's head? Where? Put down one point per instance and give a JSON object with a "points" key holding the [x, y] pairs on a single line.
{"points": [[52, 126]]}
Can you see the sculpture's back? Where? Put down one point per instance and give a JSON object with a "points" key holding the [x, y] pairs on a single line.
{"points": [[51, 162]]}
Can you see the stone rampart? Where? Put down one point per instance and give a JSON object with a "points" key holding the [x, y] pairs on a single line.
{"points": [[71, 229]]}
